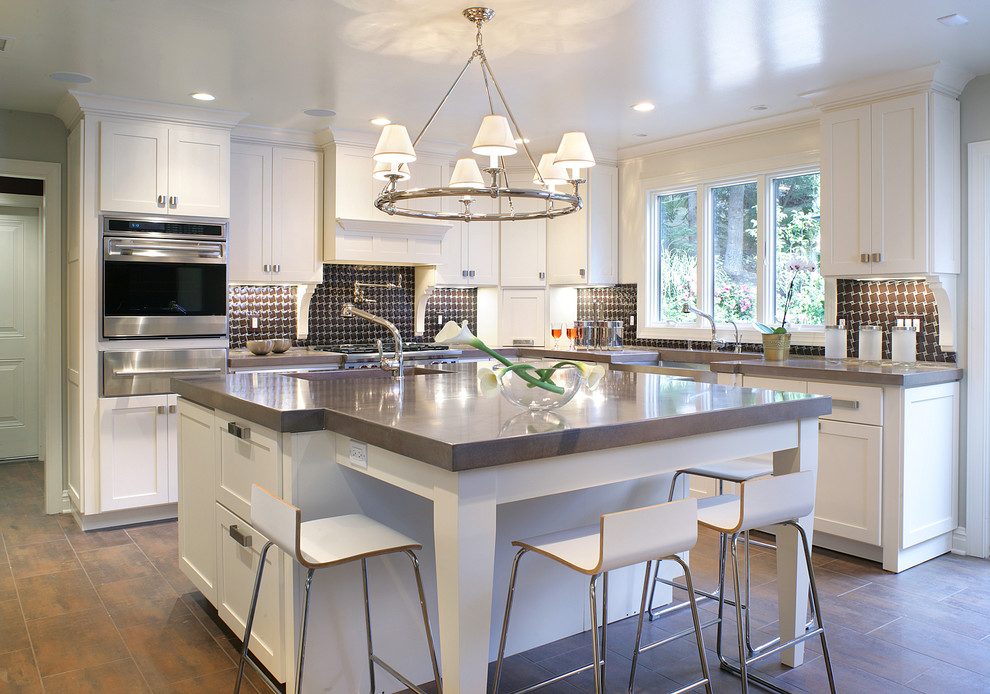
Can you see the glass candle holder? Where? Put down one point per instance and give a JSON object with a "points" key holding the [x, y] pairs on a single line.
{"points": [[870, 337], [835, 342], [904, 344]]}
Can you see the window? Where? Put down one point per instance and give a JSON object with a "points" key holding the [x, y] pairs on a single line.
{"points": [[727, 247]]}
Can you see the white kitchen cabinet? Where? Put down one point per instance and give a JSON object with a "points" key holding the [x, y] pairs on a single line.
{"points": [[522, 317], [523, 251], [138, 451], [275, 232], [470, 250], [889, 187], [583, 247], [197, 507], [248, 454], [887, 468], [159, 168]]}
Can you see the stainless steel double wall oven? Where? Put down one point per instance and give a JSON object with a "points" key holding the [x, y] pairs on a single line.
{"points": [[162, 280]]}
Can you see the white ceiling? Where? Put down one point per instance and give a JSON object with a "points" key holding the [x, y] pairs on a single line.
{"points": [[562, 64]]}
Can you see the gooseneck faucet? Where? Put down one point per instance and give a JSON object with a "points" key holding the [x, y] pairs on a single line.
{"points": [[716, 342], [392, 365]]}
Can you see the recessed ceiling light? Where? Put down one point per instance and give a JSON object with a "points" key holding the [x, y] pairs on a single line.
{"points": [[202, 96], [643, 107], [320, 112], [71, 77], [953, 20], [521, 141], [380, 121], [759, 107]]}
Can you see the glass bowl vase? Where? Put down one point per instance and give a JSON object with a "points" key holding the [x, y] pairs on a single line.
{"points": [[522, 393]]}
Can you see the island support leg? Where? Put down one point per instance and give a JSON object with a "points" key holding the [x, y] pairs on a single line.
{"points": [[792, 574], [464, 532]]}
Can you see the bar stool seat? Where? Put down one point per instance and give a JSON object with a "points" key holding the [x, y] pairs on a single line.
{"points": [[320, 544], [780, 500], [620, 539], [740, 470]]}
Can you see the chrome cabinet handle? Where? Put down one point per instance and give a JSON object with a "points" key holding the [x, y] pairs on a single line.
{"points": [[171, 409], [864, 257], [173, 201], [581, 272], [243, 433], [845, 404], [471, 274], [875, 257], [161, 200], [464, 273], [543, 275], [275, 268], [243, 539], [266, 268], [150, 372], [161, 409]]}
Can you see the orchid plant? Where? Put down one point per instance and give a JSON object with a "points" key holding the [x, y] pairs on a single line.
{"points": [[454, 334], [797, 265]]}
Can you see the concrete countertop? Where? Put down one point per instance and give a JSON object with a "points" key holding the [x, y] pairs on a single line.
{"points": [[442, 419], [847, 371], [295, 356]]}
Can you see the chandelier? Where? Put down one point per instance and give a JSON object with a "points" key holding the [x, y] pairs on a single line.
{"points": [[494, 140]]}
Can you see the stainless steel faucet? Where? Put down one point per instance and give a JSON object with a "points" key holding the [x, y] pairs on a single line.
{"points": [[359, 287], [716, 341], [392, 365], [738, 345]]}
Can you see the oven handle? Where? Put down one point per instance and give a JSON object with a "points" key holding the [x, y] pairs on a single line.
{"points": [[150, 372], [126, 247]]}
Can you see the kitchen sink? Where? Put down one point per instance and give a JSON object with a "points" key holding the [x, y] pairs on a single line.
{"points": [[332, 375], [687, 370]]}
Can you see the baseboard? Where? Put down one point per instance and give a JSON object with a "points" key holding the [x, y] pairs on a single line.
{"points": [[66, 502], [960, 543], [113, 519]]}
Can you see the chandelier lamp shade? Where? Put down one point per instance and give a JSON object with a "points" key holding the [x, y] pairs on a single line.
{"points": [[495, 140]]}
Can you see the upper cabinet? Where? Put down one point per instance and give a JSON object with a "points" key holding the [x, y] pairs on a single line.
{"points": [[276, 221], [890, 187], [157, 168], [469, 255], [583, 247]]}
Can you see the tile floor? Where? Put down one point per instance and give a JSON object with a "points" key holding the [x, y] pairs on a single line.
{"points": [[110, 611]]}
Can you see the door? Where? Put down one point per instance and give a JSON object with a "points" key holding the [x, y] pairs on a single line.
{"points": [[847, 500], [523, 317], [199, 172], [19, 327], [297, 226], [249, 233], [134, 452], [524, 253], [133, 167]]}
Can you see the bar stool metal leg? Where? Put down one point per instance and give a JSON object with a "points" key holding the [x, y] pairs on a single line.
{"points": [[426, 619], [302, 630], [250, 619], [367, 623]]}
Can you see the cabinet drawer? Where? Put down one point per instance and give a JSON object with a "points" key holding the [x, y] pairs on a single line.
{"points": [[249, 454], [240, 552], [785, 384], [857, 404]]}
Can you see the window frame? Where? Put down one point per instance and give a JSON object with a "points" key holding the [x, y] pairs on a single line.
{"points": [[697, 328]]}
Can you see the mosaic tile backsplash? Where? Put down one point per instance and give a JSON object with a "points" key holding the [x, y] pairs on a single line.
{"points": [[859, 303]]}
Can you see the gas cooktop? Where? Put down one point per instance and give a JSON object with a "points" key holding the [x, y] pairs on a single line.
{"points": [[373, 349]]}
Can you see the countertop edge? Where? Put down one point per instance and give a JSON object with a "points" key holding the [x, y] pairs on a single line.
{"points": [[821, 372]]}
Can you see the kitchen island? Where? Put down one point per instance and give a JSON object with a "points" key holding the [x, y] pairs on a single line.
{"points": [[465, 475]]}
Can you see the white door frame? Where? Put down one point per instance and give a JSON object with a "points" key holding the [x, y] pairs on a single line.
{"points": [[978, 358], [50, 298]]}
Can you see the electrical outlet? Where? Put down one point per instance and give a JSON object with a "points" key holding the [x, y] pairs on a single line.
{"points": [[632, 320], [439, 319], [359, 454]]}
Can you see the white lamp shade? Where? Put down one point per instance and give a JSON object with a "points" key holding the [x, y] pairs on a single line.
{"points": [[383, 168], [494, 138], [574, 152], [466, 175], [552, 174], [394, 145]]}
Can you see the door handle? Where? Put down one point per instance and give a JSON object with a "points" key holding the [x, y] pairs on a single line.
{"points": [[275, 268], [266, 268], [875, 257], [243, 539], [864, 257], [581, 272], [543, 275], [845, 404], [171, 409], [161, 200], [471, 274], [173, 201], [243, 433], [161, 409]]}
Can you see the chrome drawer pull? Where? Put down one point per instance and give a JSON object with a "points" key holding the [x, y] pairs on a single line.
{"points": [[243, 433], [161, 409], [845, 404], [239, 537]]}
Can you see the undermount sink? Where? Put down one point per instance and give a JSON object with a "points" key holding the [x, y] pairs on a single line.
{"points": [[687, 370], [365, 373]]}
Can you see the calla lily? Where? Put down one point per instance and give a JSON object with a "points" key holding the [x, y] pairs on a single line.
{"points": [[592, 374], [487, 382], [453, 334]]}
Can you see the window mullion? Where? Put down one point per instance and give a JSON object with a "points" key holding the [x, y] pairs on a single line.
{"points": [[706, 253], [765, 251]]}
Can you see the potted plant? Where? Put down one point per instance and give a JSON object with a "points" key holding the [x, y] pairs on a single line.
{"points": [[777, 341]]}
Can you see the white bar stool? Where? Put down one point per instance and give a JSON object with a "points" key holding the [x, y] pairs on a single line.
{"points": [[319, 544], [621, 539], [780, 500], [738, 471]]}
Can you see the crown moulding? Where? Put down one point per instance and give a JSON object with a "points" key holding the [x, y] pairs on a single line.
{"points": [[75, 104], [939, 77]]}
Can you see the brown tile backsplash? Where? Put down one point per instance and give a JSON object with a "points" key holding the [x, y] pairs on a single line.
{"points": [[859, 303]]}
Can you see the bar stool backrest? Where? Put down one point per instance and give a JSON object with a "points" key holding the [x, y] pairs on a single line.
{"points": [[276, 519], [776, 499], [651, 532]]}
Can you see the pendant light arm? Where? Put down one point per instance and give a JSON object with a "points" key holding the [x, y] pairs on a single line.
{"points": [[444, 100], [508, 111]]}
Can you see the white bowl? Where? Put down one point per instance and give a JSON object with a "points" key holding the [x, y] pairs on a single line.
{"points": [[260, 347]]}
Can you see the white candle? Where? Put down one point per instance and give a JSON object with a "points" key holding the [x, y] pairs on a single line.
{"points": [[904, 343], [869, 342], [835, 342]]}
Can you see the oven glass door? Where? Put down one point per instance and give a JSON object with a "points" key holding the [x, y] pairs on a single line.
{"points": [[164, 299]]}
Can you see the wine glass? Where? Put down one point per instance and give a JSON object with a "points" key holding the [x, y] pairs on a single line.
{"points": [[572, 333], [556, 329]]}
